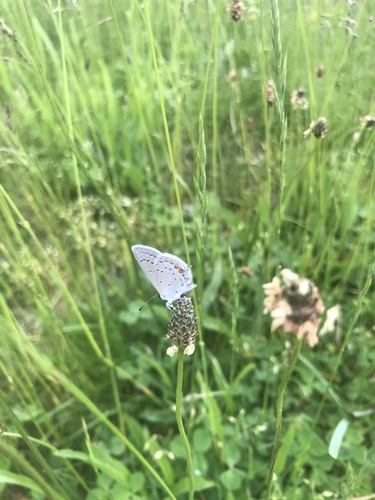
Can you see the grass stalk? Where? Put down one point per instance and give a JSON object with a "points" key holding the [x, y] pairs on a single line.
{"points": [[234, 311], [166, 131], [180, 425], [15, 436], [280, 64], [24, 466], [267, 124], [279, 415], [202, 232], [102, 324]]}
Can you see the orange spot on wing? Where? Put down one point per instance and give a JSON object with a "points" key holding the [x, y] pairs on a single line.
{"points": [[179, 269]]}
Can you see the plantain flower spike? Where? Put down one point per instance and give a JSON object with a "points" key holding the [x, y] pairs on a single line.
{"points": [[236, 10], [182, 329], [319, 128]]}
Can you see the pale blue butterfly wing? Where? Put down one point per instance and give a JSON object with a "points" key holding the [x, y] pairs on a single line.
{"points": [[170, 276], [146, 258], [174, 277]]}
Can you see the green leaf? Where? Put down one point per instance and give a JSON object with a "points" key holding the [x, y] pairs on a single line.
{"points": [[110, 466], [137, 481], [200, 484], [200, 464], [177, 447], [101, 460], [283, 452], [242, 374], [211, 292], [232, 479], [161, 460], [214, 413], [7, 477], [71, 454], [97, 494], [139, 434], [215, 325], [121, 492], [117, 447], [231, 453], [202, 440]]}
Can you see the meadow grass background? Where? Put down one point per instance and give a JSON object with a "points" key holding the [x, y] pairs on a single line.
{"points": [[121, 125]]}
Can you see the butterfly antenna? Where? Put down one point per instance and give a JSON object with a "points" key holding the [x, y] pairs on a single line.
{"points": [[140, 309]]}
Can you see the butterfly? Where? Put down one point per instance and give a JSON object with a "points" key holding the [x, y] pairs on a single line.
{"points": [[170, 276]]}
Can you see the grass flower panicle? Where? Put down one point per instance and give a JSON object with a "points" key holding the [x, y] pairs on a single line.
{"points": [[182, 329]]}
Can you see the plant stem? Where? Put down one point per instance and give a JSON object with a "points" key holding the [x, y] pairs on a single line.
{"points": [[279, 414], [180, 425]]}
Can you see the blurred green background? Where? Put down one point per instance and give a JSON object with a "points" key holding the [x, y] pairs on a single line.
{"points": [[130, 122]]}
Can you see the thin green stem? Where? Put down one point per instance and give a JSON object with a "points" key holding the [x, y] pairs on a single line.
{"points": [[180, 425], [201, 231], [266, 115], [279, 415], [280, 61]]}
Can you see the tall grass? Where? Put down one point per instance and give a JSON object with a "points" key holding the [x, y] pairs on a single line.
{"points": [[119, 125]]}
